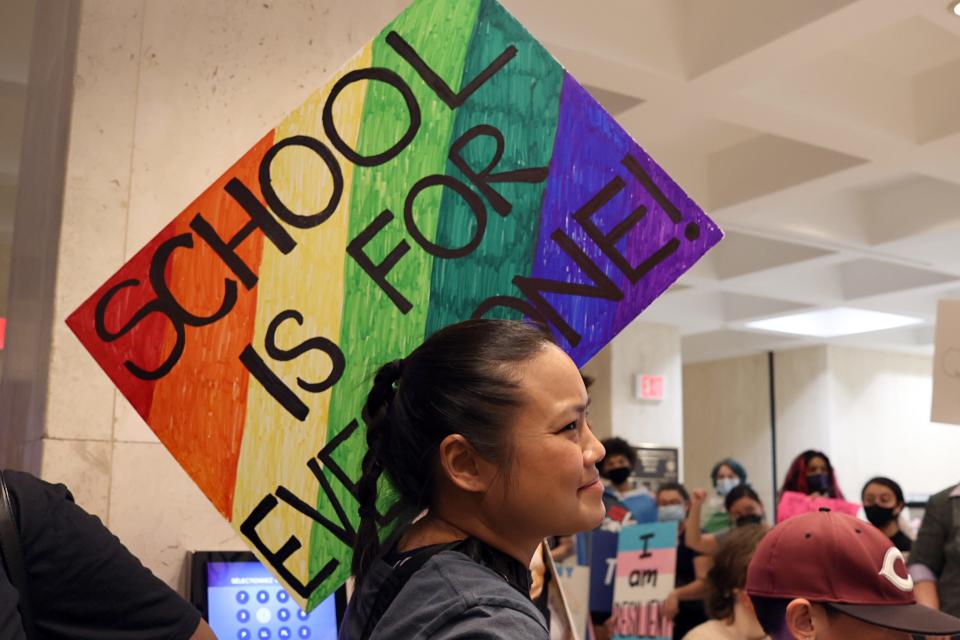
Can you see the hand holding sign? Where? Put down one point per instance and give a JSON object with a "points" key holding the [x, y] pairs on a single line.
{"points": [[451, 169]]}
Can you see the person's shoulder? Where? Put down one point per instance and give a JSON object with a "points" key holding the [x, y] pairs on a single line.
{"points": [[452, 596], [942, 498], [709, 630], [26, 484], [470, 579]]}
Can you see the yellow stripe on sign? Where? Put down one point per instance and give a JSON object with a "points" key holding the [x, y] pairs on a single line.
{"points": [[276, 446]]}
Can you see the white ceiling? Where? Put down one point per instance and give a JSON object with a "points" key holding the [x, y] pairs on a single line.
{"points": [[822, 135]]}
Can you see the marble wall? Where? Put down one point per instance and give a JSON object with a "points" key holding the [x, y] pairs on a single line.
{"points": [[154, 99]]}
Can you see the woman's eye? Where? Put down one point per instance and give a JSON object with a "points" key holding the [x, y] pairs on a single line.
{"points": [[570, 427]]}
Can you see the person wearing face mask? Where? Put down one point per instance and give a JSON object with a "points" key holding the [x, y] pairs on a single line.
{"points": [[812, 474], [882, 504], [617, 468], [726, 474], [728, 605], [685, 603], [744, 508]]}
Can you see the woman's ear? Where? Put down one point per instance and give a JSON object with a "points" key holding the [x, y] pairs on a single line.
{"points": [[800, 619], [463, 466]]}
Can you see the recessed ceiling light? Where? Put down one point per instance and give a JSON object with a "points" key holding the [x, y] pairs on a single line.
{"points": [[830, 323], [955, 8]]}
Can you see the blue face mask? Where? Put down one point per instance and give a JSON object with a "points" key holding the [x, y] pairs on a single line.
{"points": [[671, 513], [726, 485]]}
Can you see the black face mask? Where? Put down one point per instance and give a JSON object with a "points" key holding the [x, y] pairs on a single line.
{"points": [[879, 516], [752, 518], [818, 482], [619, 475]]}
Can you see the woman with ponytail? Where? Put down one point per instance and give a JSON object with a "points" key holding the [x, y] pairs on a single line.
{"points": [[482, 434]]}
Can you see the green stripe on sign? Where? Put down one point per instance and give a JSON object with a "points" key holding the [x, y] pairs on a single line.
{"points": [[521, 101], [374, 330]]}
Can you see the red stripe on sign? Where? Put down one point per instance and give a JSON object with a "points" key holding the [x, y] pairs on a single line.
{"points": [[199, 408]]}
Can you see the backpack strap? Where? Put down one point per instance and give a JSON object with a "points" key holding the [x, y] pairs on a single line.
{"points": [[393, 585], [13, 557]]}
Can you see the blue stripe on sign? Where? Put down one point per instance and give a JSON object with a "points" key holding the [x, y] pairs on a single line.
{"points": [[664, 536]]}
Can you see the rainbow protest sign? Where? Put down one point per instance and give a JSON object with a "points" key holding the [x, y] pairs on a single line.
{"points": [[646, 574], [451, 169]]}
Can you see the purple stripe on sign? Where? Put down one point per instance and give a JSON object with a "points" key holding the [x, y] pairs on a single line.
{"points": [[613, 223]]}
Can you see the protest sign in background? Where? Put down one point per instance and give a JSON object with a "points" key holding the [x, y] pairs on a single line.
{"points": [[603, 564], [451, 169], [646, 574]]}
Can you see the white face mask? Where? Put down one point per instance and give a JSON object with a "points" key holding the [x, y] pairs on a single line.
{"points": [[671, 513], [726, 485]]}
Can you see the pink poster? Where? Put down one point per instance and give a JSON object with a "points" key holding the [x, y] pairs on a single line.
{"points": [[793, 503]]}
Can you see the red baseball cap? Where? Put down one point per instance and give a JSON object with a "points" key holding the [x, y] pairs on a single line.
{"points": [[836, 560]]}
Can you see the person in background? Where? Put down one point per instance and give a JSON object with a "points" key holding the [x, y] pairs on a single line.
{"points": [[883, 503], [81, 582], [812, 474], [617, 468], [935, 557], [685, 603], [728, 605], [725, 475], [742, 503], [827, 576]]}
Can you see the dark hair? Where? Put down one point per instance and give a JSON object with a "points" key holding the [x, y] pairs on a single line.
{"points": [[674, 486], [735, 466], [738, 492], [729, 570], [796, 478], [771, 613], [618, 447], [886, 482], [463, 380]]}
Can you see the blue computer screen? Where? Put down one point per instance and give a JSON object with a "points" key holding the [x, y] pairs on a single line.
{"points": [[245, 602]]}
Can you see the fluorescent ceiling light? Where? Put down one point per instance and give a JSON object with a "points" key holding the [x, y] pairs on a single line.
{"points": [[956, 8], [830, 323]]}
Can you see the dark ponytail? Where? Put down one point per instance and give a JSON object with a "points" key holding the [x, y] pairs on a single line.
{"points": [[463, 379], [378, 402]]}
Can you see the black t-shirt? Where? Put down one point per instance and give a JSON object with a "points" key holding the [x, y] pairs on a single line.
{"points": [[82, 581], [692, 612]]}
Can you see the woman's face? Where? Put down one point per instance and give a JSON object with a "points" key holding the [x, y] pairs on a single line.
{"points": [[745, 506], [817, 466], [725, 472], [552, 486], [879, 495]]}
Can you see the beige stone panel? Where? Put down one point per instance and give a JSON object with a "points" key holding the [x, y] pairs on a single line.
{"points": [[128, 425], [82, 465], [95, 207], [217, 75], [157, 511]]}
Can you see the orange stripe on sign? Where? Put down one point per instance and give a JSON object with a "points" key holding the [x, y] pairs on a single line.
{"points": [[207, 390]]}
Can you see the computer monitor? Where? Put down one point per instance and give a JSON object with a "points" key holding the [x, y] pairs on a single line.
{"points": [[241, 600]]}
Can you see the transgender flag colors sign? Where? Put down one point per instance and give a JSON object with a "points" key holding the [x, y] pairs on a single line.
{"points": [[451, 169], [646, 574]]}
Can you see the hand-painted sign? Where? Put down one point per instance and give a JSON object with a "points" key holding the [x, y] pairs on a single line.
{"points": [[451, 169], [646, 574]]}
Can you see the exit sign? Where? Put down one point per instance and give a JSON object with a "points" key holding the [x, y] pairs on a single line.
{"points": [[648, 387]]}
